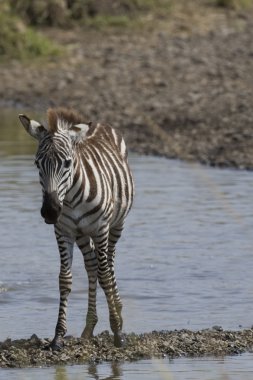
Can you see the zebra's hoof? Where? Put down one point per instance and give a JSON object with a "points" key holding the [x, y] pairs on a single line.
{"points": [[56, 344], [119, 340], [87, 334]]}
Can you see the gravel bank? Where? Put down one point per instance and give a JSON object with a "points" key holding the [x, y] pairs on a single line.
{"points": [[160, 344]]}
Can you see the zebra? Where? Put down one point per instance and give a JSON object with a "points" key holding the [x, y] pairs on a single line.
{"points": [[87, 191]]}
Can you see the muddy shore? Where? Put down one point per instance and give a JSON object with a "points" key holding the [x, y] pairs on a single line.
{"points": [[33, 352], [178, 91]]}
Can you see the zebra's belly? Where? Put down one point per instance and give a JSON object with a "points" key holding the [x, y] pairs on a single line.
{"points": [[119, 214], [73, 222], [89, 220], [71, 226]]}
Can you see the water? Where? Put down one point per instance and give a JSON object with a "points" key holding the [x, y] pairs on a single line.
{"points": [[184, 261], [231, 368]]}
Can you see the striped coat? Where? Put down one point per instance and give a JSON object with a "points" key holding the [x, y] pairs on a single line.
{"points": [[87, 191]]}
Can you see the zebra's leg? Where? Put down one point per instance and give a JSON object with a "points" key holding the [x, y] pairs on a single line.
{"points": [[65, 246], [90, 261], [105, 281], [114, 236]]}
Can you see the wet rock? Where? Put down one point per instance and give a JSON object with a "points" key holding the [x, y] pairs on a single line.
{"points": [[217, 328]]}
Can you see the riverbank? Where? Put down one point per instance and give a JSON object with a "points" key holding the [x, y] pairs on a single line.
{"points": [[181, 89], [184, 343]]}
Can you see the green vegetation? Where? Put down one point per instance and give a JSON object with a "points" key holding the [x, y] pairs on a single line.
{"points": [[104, 21], [131, 13], [18, 18], [19, 41], [88, 12]]}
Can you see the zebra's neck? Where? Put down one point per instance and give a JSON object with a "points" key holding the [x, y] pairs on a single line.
{"points": [[86, 183]]}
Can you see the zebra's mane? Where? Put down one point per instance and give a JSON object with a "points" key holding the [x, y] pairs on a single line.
{"points": [[62, 118]]}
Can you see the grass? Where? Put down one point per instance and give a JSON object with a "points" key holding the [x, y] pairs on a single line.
{"points": [[105, 21], [36, 45], [18, 41], [146, 13], [129, 14], [92, 13]]}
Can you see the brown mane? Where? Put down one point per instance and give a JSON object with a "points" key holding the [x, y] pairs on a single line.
{"points": [[68, 115]]}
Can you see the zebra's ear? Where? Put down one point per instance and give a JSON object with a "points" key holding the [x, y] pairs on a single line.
{"points": [[34, 128], [78, 132]]}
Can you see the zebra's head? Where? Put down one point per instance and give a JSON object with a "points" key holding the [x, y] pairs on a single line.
{"points": [[55, 157]]}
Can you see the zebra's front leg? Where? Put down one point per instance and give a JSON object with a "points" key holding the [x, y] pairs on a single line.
{"points": [[65, 246], [106, 282], [90, 261]]}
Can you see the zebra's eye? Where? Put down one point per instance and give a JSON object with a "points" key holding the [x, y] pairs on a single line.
{"points": [[67, 163]]}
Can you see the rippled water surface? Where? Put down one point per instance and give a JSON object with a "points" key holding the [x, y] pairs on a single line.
{"points": [[231, 368], [184, 261]]}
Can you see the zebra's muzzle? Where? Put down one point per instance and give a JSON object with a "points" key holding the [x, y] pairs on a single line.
{"points": [[51, 208]]}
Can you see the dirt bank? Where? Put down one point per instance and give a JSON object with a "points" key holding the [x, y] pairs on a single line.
{"points": [[177, 90], [32, 352]]}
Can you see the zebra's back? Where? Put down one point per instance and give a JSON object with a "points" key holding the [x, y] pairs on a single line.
{"points": [[102, 190]]}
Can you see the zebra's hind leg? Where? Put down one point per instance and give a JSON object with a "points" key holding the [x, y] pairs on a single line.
{"points": [[90, 261], [65, 246], [114, 236], [106, 282]]}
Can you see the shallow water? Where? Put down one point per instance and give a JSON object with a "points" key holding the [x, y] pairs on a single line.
{"points": [[184, 260], [230, 368]]}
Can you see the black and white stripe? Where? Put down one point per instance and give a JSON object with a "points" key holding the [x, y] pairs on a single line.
{"points": [[87, 193]]}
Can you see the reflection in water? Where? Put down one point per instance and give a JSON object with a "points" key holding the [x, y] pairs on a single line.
{"points": [[114, 369], [61, 373], [207, 368], [230, 368], [116, 372]]}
